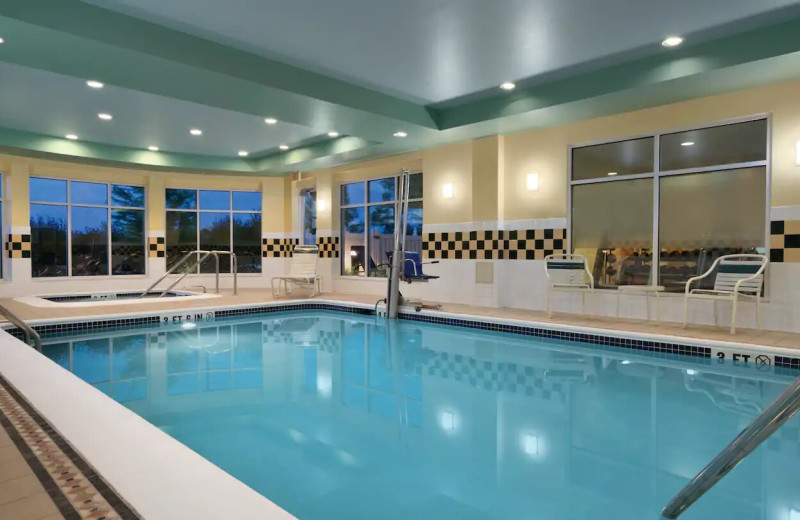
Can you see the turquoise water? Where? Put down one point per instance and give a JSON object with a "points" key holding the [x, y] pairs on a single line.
{"points": [[342, 417]]}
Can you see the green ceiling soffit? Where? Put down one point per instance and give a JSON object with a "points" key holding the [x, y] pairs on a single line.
{"points": [[668, 65], [78, 39], [36, 145]]}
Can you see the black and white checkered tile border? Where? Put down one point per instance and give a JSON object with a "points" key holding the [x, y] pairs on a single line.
{"points": [[328, 247], [527, 244], [278, 247]]}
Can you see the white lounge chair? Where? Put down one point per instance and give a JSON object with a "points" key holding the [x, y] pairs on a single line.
{"points": [[302, 272], [568, 272], [738, 276]]}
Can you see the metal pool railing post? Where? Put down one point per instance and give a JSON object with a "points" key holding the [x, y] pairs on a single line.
{"points": [[778, 412], [26, 329]]}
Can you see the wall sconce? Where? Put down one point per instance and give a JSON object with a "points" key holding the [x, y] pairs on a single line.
{"points": [[797, 153], [532, 182], [447, 190], [530, 444], [321, 205]]}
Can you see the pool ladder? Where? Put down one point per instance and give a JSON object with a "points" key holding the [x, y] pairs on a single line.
{"points": [[778, 412], [196, 254], [26, 329]]}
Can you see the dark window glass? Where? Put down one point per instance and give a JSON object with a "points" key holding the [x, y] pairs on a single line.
{"points": [[88, 193], [246, 201], [414, 227], [354, 250], [353, 194], [381, 237], [48, 240], [89, 241], [219, 200], [47, 190], [181, 235], [706, 215], [415, 186], [309, 198], [382, 190], [181, 199], [215, 234], [718, 145], [612, 226], [630, 157], [247, 241], [127, 241], [127, 196]]}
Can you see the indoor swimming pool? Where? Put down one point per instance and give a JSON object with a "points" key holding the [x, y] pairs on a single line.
{"points": [[337, 416]]}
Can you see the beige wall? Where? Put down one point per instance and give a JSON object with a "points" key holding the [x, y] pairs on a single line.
{"points": [[489, 174]]}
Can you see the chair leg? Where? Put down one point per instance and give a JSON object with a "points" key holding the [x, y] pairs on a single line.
{"points": [[758, 311], [686, 312], [733, 314]]}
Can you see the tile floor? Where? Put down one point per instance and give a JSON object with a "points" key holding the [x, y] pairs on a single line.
{"points": [[22, 496]]}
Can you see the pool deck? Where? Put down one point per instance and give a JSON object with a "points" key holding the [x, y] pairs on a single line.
{"points": [[22, 496], [260, 296]]}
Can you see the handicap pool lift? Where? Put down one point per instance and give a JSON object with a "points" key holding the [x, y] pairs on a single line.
{"points": [[405, 266]]}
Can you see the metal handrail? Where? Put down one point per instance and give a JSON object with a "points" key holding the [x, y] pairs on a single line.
{"points": [[778, 412], [198, 261], [26, 329]]}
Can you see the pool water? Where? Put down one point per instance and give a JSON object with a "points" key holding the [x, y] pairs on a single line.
{"points": [[342, 417]]}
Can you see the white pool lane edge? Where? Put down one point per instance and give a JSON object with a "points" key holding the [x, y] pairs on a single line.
{"points": [[160, 477], [155, 474]]}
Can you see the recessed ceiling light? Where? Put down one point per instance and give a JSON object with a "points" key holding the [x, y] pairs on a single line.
{"points": [[271, 121], [672, 41], [71, 137], [687, 143], [333, 134], [196, 131], [508, 85], [611, 174], [243, 153], [400, 134], [94, 84], [105, 117], [153, 148], [284, 147]]}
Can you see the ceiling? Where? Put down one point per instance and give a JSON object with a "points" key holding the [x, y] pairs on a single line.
{"points": [[366, 69]]}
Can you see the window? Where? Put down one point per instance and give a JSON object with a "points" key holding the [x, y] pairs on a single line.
{"points": [[213, 220], [702, 196], [367, 213], [86, 228], [308, 209]]}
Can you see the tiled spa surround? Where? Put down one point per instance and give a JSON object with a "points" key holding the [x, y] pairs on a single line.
{"points": [[77, 491], [525, 244]]}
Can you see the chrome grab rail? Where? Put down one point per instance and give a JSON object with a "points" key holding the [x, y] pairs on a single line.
{"points": [[26, 329], [778, 412], [197, 262]]}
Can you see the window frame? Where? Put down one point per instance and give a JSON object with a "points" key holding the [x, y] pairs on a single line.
{"points": [[656, 174], [367, 205], [230, 211], [109, 208]]}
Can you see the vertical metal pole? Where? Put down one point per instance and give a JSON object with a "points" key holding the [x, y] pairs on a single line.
{"points": [[393, 297]]}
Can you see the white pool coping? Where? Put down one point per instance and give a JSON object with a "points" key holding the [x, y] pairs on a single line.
{"points": [[167, 479], [155, 474], [41, 301]]}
